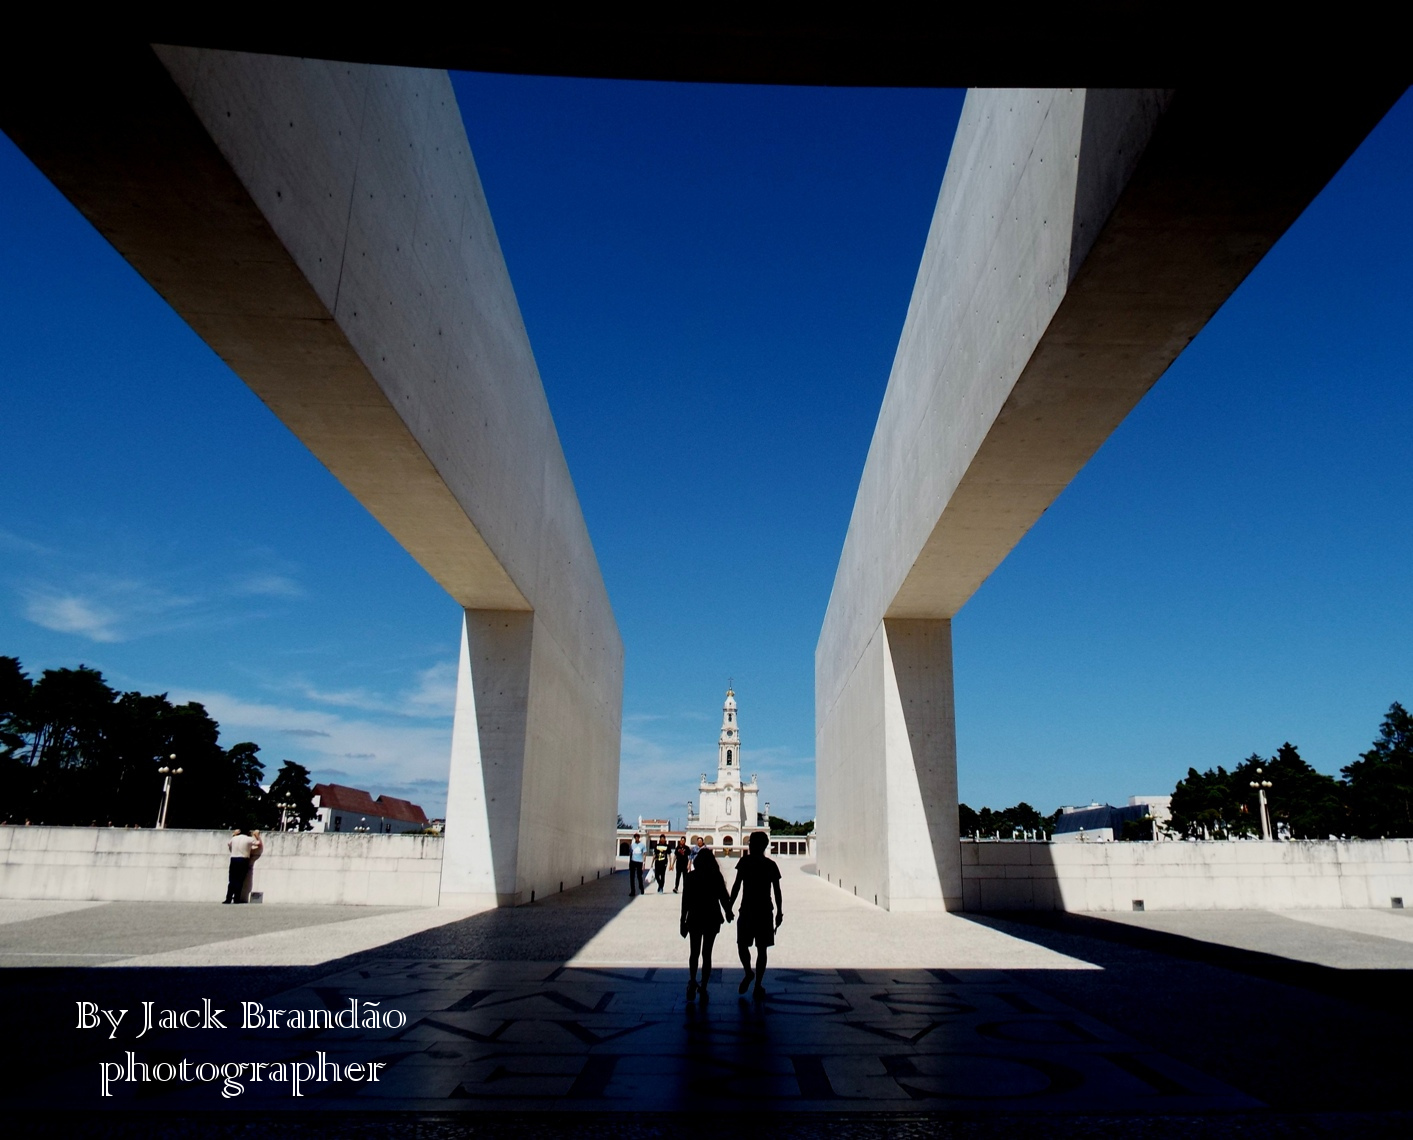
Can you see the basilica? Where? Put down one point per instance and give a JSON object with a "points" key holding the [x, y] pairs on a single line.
{"points": [[728, 807]]}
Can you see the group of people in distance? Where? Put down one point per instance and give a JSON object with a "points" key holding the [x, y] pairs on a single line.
{"points": [[706, 903]]}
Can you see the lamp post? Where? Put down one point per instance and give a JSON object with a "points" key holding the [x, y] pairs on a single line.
{"points": [[285, 810], [168, 770], [1261, 784]]}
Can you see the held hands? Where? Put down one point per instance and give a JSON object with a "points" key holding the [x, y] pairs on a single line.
{"points": [[729, 916]]}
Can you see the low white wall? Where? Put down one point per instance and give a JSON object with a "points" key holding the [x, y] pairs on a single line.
{"points": [[1217, 875], [110, 863]]}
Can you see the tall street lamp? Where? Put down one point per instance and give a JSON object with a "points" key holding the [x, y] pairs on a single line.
{"points": [[1261, 784], [167, 770], [285, 810]]}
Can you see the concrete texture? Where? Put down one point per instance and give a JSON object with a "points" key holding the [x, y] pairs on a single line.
{"points": [[1219, 875], [1081, 239], [112, 863], [322, 227]]}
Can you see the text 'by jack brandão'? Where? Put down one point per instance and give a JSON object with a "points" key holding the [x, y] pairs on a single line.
{"points": [[234, 1076]]}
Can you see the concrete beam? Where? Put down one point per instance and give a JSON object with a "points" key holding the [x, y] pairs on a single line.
{"points": [[322, 227], [1090, 42], [1081, 240]]}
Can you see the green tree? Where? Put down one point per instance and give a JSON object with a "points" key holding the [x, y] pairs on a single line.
{"points": [[1380, 784], [1208, 805], [248, 805], [15, 781], [138, 744], [779, 826], [1224, 805], [1019, 818], [67, 725], [291, 786], [202, 795], [1309, 803]]}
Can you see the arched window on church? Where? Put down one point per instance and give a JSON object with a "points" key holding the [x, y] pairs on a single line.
{"points": [[728, 757], [728, 805]]}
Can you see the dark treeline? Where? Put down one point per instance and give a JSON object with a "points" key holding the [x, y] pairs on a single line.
{"points": [[73, 750], [1373, 798], [1007, 821], [780, 826]]}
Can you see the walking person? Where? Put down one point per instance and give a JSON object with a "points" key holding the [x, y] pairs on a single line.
{"points": [[238, 845], [681, 862], [636, 851], [703, 900], [661, 853], [756, 876]]}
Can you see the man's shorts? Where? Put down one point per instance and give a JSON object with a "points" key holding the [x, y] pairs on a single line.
{"points": [[755, 929]]}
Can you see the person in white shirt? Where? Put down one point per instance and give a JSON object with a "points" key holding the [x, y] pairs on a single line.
{"points": [[637, 852], [238, 845]]}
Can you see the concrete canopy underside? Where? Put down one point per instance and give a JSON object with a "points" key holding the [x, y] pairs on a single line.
{"points": [[322, 227], [1112, 43], [1081, 240]]}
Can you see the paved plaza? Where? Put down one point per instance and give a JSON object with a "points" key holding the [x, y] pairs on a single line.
{"points": [[573, 1012]]}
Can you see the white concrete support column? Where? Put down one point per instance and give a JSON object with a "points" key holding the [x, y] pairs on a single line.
{"points": [[534, 769], [1081, 239], [920, 758], [887, 773], [322, 226]]}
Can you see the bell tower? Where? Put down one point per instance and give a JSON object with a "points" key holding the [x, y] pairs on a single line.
{"points": [[727, 809], [728, 748]]}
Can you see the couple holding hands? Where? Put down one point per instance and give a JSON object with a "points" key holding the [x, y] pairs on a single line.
{"points": [[704, 899]]}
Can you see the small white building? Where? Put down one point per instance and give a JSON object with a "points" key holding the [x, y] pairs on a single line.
{"points": [[339, 808]]}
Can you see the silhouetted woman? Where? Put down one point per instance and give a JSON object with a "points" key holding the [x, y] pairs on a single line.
{"points": [[704, 898]]}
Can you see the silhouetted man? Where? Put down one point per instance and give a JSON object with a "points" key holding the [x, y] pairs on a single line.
{"points": [[756, 876]]}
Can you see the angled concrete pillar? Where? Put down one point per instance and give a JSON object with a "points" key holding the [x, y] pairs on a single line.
{"points": [[524, 799], [1081, 240], [322, 227]]}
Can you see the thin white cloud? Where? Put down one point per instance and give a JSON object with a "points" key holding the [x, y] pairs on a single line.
{"points": [[369, 753], [435, 692], [432, 695], [267, 586], [70, 613], [18, 544]]}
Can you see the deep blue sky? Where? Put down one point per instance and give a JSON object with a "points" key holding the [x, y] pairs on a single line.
{"points": [[714, 280]]}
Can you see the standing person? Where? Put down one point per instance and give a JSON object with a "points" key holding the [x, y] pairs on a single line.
{"points": [[703, 899], [756, 875], [239, 846], [661, 853], [636, 850], [681, 862], [257, 848]]}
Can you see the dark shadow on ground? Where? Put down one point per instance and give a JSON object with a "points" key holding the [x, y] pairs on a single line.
{"points": [[1377, 989], [39, 1004], [1301, 1037]]}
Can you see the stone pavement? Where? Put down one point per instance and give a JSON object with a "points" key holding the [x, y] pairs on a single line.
{"points": [[574, 1010], [39, 933]]}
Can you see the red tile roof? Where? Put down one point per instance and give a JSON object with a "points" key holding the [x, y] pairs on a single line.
{"points": [[358, 802], [393, 808]]}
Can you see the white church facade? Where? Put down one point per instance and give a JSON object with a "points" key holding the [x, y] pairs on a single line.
{"points": [[727, 809]]}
